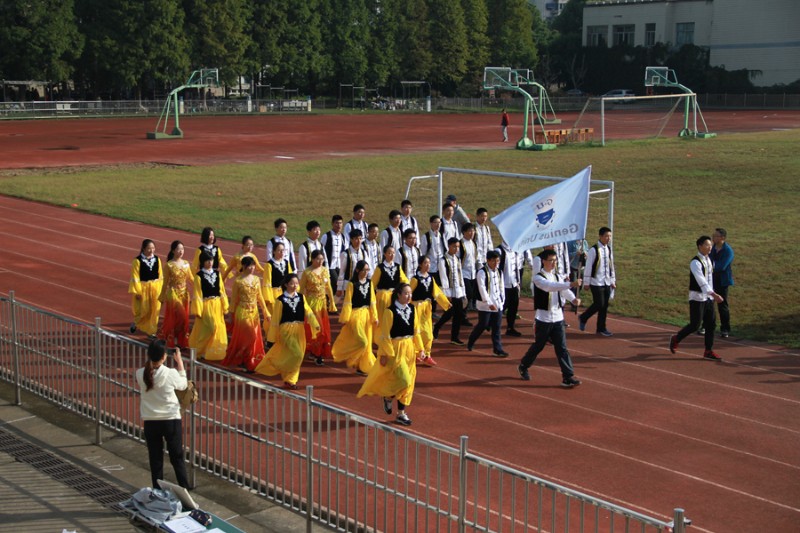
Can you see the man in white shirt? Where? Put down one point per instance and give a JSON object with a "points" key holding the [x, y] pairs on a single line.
{"points": [[434, 246], [409, 253], [348, 259], [333, 244], [483, 235], [309, 245], [407, 221], [509, 264], [453, 288], [549, 294], [372, 248], [280, 236], [357, 222], [491, 298], [701, 300], [392, 235], [450, 228], [601, 278], [469, 266]]}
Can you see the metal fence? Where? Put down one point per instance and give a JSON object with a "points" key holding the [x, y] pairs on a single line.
{"points": [[334, 467]]}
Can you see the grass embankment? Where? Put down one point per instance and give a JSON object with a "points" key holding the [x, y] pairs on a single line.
{"points": [[668, 192]]}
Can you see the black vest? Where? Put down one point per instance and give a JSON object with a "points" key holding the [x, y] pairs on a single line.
{"points": [[399, 326], [387, 282], [288, 251], [423, 292], [361, 299], [693, 285], [214, 251], [541, 298], [147, 273], [329, 251], [349, 265], [277, 275], [210, 285], [296, 313]]}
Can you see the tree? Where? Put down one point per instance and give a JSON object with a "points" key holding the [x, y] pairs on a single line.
{"points": [[39, 40], [565, 51], [476, 19], [413, 42], [510, 24], [382, 53], [346, 40], [448, 37]]}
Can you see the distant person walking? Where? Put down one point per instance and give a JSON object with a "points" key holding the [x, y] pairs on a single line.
{"points": [[504, 125]]}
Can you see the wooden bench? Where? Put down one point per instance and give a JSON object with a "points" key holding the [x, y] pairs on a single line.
{"points": [[564, 136]]}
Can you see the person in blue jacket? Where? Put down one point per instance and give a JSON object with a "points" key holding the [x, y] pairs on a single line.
{"points": [[722, 256]]}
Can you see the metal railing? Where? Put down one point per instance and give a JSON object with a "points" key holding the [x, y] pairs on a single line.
{"points": [[335, 467]]}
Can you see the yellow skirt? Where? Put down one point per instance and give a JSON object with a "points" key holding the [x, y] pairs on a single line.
{"points": [[397, 378], [146, 310], [354, 343], [209, 335], [286, 355], [424, 314]]}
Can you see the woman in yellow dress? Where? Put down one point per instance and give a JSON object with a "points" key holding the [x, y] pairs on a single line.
{"points": [[209, 307], [359, 316], [315, 284], [145, 288], [424, 290], [235, 266], [246, 347], [275, 271], [387, 277], [288, 335], [208, 244], [175, 297], [399, 346]]}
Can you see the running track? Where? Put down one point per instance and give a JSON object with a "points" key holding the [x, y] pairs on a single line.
{"points": [[647, 429]]}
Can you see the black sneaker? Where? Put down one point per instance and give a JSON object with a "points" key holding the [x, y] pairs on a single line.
{"points": [[457, 342], [570, 382], [673, 343], [724, 334], [403, 419], [523, 373], [436, 333], [511, 332], [132, 329], [605, 333], [470, 347], [500, 353], [319, 361], [360, 373], [387, 406]]}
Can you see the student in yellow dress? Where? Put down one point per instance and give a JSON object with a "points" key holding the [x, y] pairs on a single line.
{"points": [[399, 346], [209, 307], [235, 266], [276, 269], [359, 317], [288, 335], [175, 297], [145, 288], [387, 277], [315, 285], [246, 347], [424, 291], [208, 244]]}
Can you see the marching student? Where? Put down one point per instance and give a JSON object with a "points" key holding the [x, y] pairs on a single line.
{"points": [[701, 299], [549, 294], [453, 288], [348, 259], [425, 291], [483, 235], [600, 276], [246, 347], [407, 221], [275, 271], [208, 244], [359, 318], [357, 222], [491, 298], [395, 372], [434, 247], [287, 334], [449, 228], [175, 297], [509, 264], [333, 244], [209, 335], [392, 235], [315, 285], [145, 288], [469, 266], [372, 248], [280, 237], [409, 253], [386, 278], [311, 243], [235, 266]]}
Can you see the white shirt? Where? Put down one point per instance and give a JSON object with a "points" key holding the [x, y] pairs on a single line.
{"points": [[483, 238], [469, 263], [394, 237], [705, 281], [160, 402], [303, 256], [452, 279], [409, 223], [495, 295], [511, 269], [551, 283], [411, 261], [450, 229], [373, 255], [355, 257], [605, 274], [355, 224], [433, 249]]}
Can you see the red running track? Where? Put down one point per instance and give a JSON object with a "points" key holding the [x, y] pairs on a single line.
{"points": [[647, 429]]}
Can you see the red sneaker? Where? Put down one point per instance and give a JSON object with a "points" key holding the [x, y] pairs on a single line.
{"points": [[709, 354], [429, 361]]}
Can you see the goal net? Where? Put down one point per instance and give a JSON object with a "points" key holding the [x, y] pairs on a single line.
{"points": [[634, 117]]}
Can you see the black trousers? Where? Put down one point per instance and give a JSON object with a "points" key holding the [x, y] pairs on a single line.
{"points": [[456, 312], [724, 311], [488, 319], [156, 432], [555, 332], [334, 275], [601, 294], [438, 280], [700, 313], [512, 306]]}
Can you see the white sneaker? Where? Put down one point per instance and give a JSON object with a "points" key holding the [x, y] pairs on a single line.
{"points": [[403, 419]]}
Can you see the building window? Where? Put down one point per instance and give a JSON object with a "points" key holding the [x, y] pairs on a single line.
{"points": [[650, 34], [623, 34], [596, 35], [684, 33]]}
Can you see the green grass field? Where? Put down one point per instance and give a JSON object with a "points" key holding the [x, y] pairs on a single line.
{"points": [[668, 192]]}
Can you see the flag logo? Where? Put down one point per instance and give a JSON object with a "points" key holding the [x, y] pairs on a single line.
{"points": [[544, 218]]}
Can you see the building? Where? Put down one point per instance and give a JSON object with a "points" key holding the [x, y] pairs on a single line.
{"points": [[549, 9], [739, 34]]}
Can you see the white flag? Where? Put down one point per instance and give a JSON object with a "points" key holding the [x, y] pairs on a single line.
{"points": [[555, 214]]}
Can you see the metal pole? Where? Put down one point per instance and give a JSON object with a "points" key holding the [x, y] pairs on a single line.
{"points": [[462, 484], [309, 462], [602, 122], [192, 423], [15, 351], [98, 408], [678, 521]]}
